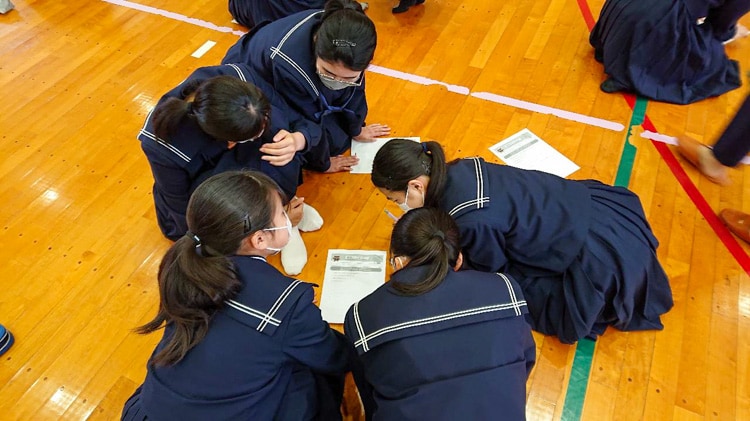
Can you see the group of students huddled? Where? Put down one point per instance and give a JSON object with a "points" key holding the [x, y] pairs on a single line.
{"points": [[483, 254]]}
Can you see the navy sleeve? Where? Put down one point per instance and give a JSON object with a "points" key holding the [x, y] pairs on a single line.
{"points": [[299, 104], [309, 340], [483, 246], [173, 185], [358, 105], [366, 391]]}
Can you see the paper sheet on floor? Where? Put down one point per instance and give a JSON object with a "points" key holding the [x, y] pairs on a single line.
{"points": [[366, 151], [350, 275], [528, 151]]}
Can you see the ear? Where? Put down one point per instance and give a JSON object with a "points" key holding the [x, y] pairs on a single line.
{"points": [[420, 183], [459, 262], [249, 244], [256, 240], [417, 185]]}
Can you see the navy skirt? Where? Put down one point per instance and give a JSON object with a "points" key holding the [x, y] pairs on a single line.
{"points": [[252, 12], [132, 411], [616, 279], [658, 50]]}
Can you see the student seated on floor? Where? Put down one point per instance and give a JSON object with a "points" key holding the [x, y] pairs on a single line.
{"points": [[241, 341], [582, 251], [225, 118], [437, 343], [316, 61]]}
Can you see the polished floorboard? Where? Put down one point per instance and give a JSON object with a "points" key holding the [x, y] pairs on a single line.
{"points": [[79, 242]]}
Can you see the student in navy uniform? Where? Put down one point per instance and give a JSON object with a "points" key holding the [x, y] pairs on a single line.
{"points": [[241, 341], [668, 50], [437, 343], [6, 340], [582, 251], [220, 118], [253, 12], [714, 162], [316, 61]]}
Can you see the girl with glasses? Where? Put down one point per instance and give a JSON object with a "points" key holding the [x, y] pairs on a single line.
{"points": [[438, 343], [582, 251], [240, 340], [316, 60]]}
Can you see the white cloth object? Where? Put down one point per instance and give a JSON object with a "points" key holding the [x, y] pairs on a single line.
{"points": [[5, 6], [311, 219], [294, 255]]}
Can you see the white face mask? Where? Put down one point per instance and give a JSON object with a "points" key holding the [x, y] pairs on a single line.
{"points": [[287, 227], [405, 206]]}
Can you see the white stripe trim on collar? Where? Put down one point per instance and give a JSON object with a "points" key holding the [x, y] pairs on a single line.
{"points": [[360, 329], [512, 293], [481, 199], [478, 202], [296, 67], [290, 32], [253, 312], [440, 318], [239, 72], [279, 302], [160, 141]]}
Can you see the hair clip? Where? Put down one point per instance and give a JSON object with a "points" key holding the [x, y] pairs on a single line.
{"points": [[198, 244], [247, 224], [343, 43]]}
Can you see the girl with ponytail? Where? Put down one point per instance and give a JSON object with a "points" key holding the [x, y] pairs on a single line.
{"points": [[224, 118], [316, 60], [241, 340], [424, 338], [582, 251]]}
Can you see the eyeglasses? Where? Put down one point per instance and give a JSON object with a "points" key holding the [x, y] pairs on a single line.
{"points": [[343, 82]]}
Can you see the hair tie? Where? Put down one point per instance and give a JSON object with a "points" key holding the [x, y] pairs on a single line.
{"points": [[197, 240], [343, 43], [440, 234]]}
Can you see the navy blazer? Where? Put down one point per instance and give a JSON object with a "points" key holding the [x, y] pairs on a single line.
{"points": [[462, 350], [190, 156], [258, 360]]}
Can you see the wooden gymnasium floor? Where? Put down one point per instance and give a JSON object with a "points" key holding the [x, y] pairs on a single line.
{"points": [[80, 246]]}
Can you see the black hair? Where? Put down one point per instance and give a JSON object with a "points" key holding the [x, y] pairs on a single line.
{"points": [[196, 276], [401, 160], [429, 237], [224, 107], [346, 35]]}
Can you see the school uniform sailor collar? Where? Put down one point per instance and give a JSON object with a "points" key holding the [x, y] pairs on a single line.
{"points": [[461, 195], [413, 316], [278, 53], [300, 41], [270, 298], [186, 148]]}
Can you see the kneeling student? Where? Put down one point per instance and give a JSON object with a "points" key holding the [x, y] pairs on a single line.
{"points": [[437, 343]]}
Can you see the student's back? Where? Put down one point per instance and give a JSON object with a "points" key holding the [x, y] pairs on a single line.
{"points": [[460, 351], [241, 340], [436, 343]]}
